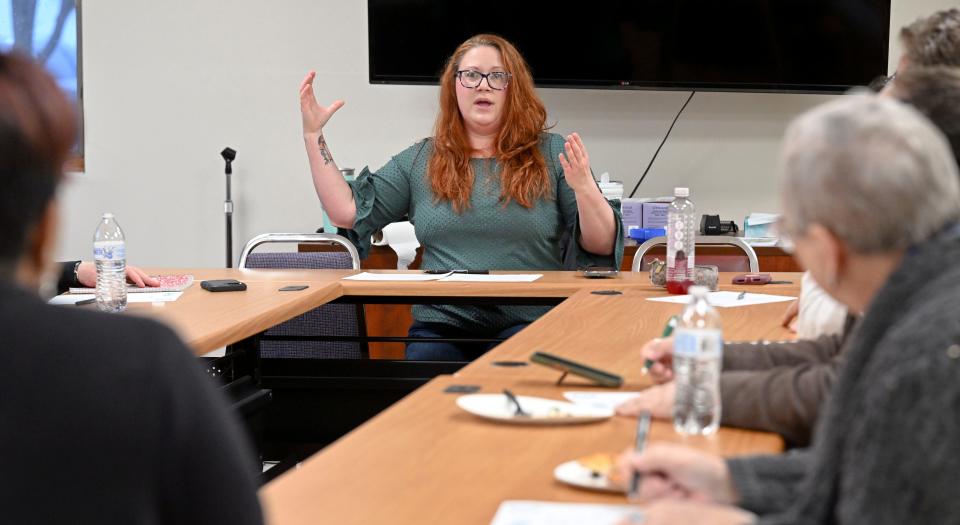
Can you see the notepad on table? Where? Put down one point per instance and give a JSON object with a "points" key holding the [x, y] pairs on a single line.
{"points": [[526, 512], [151, 297]]}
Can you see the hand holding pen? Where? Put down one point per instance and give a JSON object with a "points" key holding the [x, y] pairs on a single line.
{"points": [[658, 354], [672, 471]]}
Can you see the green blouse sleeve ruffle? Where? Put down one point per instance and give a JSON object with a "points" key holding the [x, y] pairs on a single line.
{"points": [[363, 227], [585, 258], [381, 197]]}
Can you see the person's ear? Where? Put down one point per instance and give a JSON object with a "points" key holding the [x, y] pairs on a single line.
{"points": [[832, 254]]}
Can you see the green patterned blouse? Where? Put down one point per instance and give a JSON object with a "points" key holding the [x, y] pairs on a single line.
{"points": [[488, 235]]}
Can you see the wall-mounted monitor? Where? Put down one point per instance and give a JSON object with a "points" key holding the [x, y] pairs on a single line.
{"points": [[816, 46]]}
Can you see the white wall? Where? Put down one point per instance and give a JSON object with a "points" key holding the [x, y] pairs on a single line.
{"points": [[168, 84]]}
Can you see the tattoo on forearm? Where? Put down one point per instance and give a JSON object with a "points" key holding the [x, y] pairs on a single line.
{"points": [[324, 152]]}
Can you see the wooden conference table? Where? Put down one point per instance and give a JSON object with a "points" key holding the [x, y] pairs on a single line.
{"points": [[424, 460]]}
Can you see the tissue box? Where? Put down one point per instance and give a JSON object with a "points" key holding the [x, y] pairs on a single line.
{"points": [[760, 225], [655, 214]]}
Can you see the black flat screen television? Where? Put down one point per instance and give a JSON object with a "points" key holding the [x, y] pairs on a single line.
{"points": [[814, 46]]}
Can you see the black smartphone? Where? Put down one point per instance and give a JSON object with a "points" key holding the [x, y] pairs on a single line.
{"points": [[598, 272], [462, 389], [223, 285], [594, 374]]}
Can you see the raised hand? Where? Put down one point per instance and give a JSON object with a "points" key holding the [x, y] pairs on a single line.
{"points": [[314, 115], [576, 164]]}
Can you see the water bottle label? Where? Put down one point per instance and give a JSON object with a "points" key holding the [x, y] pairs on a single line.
{"points": [[698, 343], [109, 251]]}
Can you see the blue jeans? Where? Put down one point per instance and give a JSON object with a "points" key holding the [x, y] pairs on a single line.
{"points": [[424, 351]]}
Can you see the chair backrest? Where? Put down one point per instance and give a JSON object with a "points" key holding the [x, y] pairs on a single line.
{"points": [[287, 238], [329, 320], [748, 261]]}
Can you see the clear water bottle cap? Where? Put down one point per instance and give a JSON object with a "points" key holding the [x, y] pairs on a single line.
{"points": [[698, 292], [107, 215], [681, 192]]}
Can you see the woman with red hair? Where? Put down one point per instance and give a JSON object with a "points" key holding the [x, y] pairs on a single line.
{"points": [[490, 190]]}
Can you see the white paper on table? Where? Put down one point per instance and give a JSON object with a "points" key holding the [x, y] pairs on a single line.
{"points": [[525, 512], [143, 297], [154, 297], [493, 278], [601, 400], [450, 276], [727, 299], [71, 298], [367, 276]]}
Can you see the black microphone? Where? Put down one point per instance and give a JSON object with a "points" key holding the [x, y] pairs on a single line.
{"points": [[228, 155]]}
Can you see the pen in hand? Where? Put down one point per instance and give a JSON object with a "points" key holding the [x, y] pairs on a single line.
{"points": [[667, 330], [643, 428]]}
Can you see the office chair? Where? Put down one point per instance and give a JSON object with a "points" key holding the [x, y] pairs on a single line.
{"points": [[323, 324], [725, 263]]}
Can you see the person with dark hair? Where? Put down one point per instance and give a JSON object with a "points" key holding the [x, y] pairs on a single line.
{"points": [[928, 42], [932, 41], [490, 190], [935, 92], [103, 418]]}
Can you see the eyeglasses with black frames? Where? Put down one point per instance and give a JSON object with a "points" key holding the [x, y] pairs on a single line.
{"points": [[495, 79], [878, 84]]}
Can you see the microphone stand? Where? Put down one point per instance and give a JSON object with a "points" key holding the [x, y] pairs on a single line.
{"points": [[228, 156]]}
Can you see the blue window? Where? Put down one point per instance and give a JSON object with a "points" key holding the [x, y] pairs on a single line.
{"points": [[47, 30]]}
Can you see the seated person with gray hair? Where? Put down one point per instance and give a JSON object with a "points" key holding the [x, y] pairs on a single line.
{"points": [[780, 387], [870, 195]]}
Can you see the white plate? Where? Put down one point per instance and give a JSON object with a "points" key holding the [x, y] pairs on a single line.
{"points": [[573, 473], [542, 411]]}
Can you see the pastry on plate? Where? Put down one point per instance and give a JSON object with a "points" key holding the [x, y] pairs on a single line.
{"points": [[602, 465]]}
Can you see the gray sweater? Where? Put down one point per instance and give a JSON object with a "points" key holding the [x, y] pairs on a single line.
{"points": [[780, 387], [887, 444]]}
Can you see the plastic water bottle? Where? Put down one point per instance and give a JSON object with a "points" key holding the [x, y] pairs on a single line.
{"points": [[681, 238], [110, 256], [697, 358]]}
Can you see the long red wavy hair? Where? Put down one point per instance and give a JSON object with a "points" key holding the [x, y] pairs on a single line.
{"points": [[523, 176]]}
